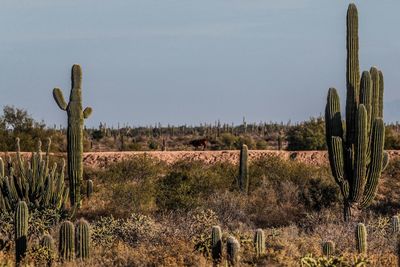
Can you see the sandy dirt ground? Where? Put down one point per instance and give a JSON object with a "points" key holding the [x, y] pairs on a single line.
{"points": [[102, 159]]}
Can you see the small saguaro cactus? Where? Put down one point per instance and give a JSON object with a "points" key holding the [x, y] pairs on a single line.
{"points": [[232, 251], [259, 242], [82, 239], [216, 244], [355, 150], [47, 242], [243, 178], [21, 230], [66, 245], [361, 238], [76, 115], [328, 248], [395, 224], [89, 188]]}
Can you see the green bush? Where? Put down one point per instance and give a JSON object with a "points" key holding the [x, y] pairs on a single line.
{"points": [[309, 135], [190, 183]]}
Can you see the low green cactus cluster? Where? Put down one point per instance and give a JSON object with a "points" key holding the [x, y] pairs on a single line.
{"points": [[33, 181]]}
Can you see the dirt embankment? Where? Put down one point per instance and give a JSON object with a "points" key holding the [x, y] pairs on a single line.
{"points": [[103, 159]]}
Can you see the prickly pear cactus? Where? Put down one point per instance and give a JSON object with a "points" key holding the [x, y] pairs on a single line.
{"points": [[76, 115], [82, 239], [216, 244], [66, 245], [21, 230]]}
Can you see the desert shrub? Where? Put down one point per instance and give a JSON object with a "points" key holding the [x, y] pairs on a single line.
{"points": [[261, 144], [244, 140], [309, 135], [227, 140], [189, 183], [392, 138]]}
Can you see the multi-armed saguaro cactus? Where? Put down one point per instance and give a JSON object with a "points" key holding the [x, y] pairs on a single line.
{"points": [[243, 178], [259, 242], [216, 244], [66, 245], [32, 181], [361, 238], [21, 230], [232, 251], [328, 248], [356, 154], [76, 115], [82, 239]]}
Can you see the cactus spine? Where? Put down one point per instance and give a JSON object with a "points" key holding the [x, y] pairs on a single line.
{"points": [[232, 251], [356, 155], [361, 238], [259, 242], [66, 244], [244, 170], [21, 230], [89, 188], [76, 115], [82, 239], [328, 249], [395, 224], [216, 244]]}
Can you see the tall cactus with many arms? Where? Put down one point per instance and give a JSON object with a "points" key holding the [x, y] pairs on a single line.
{"points": [[356, 155], [76, 115]]}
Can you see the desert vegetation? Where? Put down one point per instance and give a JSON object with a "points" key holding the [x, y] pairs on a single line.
{"points": [[142, 211]]}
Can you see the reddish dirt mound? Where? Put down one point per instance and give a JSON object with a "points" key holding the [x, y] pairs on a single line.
{"points": [[103, 159]]}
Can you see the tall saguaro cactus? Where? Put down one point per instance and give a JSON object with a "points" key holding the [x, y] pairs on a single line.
{"points": [[76, 115], [356, 153]]}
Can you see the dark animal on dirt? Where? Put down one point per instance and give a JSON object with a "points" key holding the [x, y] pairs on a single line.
{"points": [[199, 143]]}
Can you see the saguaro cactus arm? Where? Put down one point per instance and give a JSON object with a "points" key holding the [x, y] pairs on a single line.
{"points": [[87, 112], [59, 98]]}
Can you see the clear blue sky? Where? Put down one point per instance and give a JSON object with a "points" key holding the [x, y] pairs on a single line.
{"points": [[191, 61]]}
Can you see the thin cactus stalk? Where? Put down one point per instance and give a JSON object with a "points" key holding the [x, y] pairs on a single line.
{"points": [[356, 154], [259, 242], [89, 188], [361, 238], [244, 170], [66, 246], [216, 244], [82, 239], [232, 251], [21, 230], [395, 224], [76, 116], [328, 248]]}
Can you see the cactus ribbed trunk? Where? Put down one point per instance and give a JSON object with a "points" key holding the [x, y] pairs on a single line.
{"points": [[259, 242], [66, 246], [361, 238], [232, 251], [216, 245], [76, 116], [82, 239], [21, 230], [244, 170], [356, 154]]}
